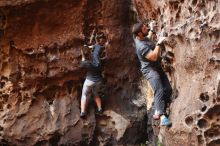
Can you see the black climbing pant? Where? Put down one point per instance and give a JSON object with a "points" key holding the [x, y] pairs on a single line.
{"points": [[162, 89]]}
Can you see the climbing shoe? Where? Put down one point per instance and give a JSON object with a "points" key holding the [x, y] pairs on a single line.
{"points": [[82, 115], [165, 121], [156, 116], [99, 112]]}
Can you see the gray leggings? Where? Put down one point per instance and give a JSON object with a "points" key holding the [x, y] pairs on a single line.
{"points": [[162, 89], [90, 87]]}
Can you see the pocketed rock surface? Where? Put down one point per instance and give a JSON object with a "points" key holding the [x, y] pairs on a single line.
{"points": [[193, 32], [41, 81]]}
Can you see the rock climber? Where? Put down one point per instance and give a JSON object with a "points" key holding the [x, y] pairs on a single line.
{"points": [[149, 56], [93, 82]]}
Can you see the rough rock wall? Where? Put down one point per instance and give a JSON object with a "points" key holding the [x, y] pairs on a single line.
{"points": [[193, 33], [41, 80]]}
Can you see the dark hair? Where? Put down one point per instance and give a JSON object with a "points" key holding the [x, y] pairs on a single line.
{"points": [[137, 28]]}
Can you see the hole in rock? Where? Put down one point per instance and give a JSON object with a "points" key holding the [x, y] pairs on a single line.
{"points": [[177, 15], [203, 108], [8, 106], [195, 128], [69, 85], [2, 84], [213, 112], [1, 106], [214, 8], [216, 33], [204, 97], [158, 10], [5, 142], [202, 123], [190, 9], [194, 2], [205, 12], [161, 19], [5, 97], [214, 101], [191, 30], [4, 78], [1, 128], [210, 134], [174, 4], [54, 140], [49, 94], [214, 131], [189, 121], [199, 115], [214, 143]]}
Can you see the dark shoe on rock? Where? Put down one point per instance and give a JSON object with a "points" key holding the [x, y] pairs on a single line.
{"points": [[82, 115], [99, 112]]}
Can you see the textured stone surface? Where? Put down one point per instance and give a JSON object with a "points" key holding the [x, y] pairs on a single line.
{"points": [[193, 36], [41, 80]]}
